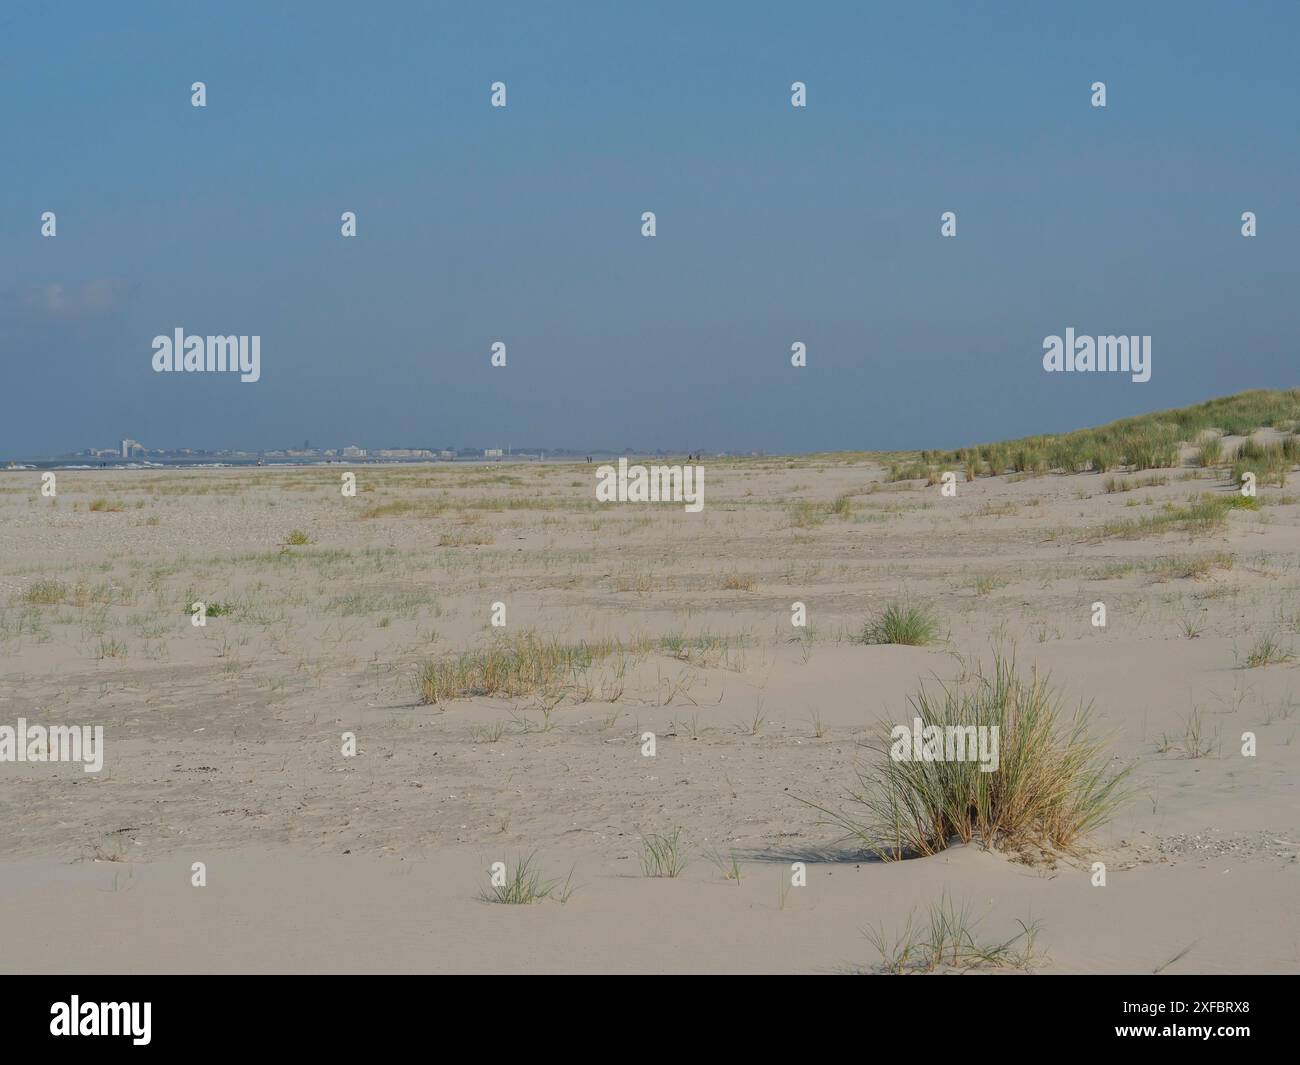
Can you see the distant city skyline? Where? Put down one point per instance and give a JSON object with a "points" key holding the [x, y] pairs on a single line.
{"points": [[129, 449], [135, 221], [128, 445]]}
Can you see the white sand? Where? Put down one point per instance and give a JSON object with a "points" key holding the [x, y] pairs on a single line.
{"points": [[223, 743]]}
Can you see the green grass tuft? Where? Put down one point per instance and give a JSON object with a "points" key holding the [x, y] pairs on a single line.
{"points": [[902, 623], [1267, 652], [1053, 783], [663, 855], [949, 943], [524, 885]]}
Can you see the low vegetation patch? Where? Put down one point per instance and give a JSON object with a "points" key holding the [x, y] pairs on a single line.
{"points": [[523, 665], [523, 884], [1270, 463], [1148, 441], [806, 515], [1169, 567], [985, 583], [705, 650], [1052, 784], [1210, 453], [902, 623], [399, 507], [1267, 652], [473, 538], [45, 593], [947, 942], [663, 854], [1123, 484], [909, 471], [214, 609], [406, 604], [1199, 516], [1190, 567]]}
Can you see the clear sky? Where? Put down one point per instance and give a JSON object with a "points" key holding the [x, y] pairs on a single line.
{"points": [[523, 224]]}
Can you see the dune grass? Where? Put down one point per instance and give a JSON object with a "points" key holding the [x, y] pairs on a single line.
{"points": [[842, 507], [902, 623], [523, 665], [1270, 463], [728, 864], [663, 854], [948, 943], [986, 583], [1123, 484], [1194, 567], [1210, 453], [399, 508], [1051, 788], [807, 515], [908, 471], [53, 592], [524, 884], [1147, 441], [45, 593], [1267, 652], [1200, 516], [1167, 567]]}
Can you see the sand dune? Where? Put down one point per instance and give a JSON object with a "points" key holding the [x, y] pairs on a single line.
{"points": [[223, 743]]}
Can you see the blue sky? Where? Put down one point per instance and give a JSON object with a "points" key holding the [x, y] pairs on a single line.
{"points": [[522, 224]]}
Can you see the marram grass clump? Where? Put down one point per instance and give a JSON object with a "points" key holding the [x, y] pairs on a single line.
{"points": [[1053, 782], [902, 623]]}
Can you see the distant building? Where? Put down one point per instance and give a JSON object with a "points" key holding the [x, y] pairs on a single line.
{"points": [[492, 453], [130, 447], [354, 452]]}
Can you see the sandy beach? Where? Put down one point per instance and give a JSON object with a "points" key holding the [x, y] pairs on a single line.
{"points": [[226, 744]]}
